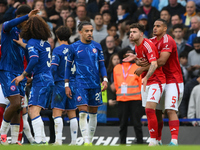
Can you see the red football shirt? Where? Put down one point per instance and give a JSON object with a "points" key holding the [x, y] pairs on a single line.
{"points": [[171, 69], [147, 51]]}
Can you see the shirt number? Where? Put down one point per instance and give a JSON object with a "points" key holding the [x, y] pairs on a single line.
{"points": [[48, 49]]}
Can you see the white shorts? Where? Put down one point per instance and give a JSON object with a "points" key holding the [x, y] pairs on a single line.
{"points": [[172, 96], [3, 100], [153, 93], [24, 102]]}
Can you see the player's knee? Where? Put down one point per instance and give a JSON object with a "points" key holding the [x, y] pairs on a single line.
{"points": [[82, 115], [170, 112]]}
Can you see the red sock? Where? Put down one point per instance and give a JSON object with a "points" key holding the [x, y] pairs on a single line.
{"points": [[20, 127], [152, 122], [174, 128], [1, 115], [160, 127]]}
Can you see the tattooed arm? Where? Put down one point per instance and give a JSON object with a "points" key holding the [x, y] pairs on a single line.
{"points": [[151, 70]]}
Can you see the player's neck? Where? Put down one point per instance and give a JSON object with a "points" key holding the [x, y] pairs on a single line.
{"points": [[63, 42], [85, 42], [160, 36], [138, 42]]}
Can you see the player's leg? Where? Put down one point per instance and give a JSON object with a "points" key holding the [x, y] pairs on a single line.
{"points": [[27, 130], [73, 125], [95, 100], [58, 125], [173, 95], [154, 95], [83, 123]]}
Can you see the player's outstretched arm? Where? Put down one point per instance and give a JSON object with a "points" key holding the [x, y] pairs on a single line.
{"points": [[130, 57], [151, 70]]}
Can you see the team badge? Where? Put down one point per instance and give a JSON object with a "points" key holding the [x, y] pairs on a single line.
{"points": [[79, 98], [94, 50], [13, 88]]}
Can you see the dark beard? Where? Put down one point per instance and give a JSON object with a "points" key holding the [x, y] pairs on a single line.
{"points": [[148, 5], [88, 41]]}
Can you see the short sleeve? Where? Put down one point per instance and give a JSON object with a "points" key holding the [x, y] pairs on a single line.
{"points": [[150, 51]]}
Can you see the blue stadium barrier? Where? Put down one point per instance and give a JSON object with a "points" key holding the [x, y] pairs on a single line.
{"points": [[117, 119]]}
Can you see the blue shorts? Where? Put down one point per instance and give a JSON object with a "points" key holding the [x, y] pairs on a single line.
{"points": [[60, 99], [90, 97], [10, 89], [41, 95]]}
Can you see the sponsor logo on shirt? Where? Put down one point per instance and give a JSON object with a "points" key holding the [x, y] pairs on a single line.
{"points": [[79, 51]]}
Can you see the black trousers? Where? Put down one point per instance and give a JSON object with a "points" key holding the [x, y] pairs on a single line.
{"points": [[132, 110]]}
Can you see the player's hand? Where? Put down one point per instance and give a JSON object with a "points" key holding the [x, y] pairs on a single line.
{"points": [[104, 85], [144, 83], [20, 42], [195, 124], [129, 57], [17, 79], [68, 92], [139, 71], [33, 12], [141, 62]]}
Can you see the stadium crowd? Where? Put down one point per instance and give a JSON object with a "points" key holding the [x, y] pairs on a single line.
{"points": [[111, 21]]}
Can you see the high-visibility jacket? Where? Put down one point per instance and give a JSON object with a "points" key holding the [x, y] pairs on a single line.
{"points": [[132, 81]]}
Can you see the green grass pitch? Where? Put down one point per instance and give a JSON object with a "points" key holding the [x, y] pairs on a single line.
{"points": [[132, 147]]}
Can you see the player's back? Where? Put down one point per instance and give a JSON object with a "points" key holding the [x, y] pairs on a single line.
{"points": [[59, 58], [86, 59], [12, 55], [171, 69], [41, 71], [148, 51]]}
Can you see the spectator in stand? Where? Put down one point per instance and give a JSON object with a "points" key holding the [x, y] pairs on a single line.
{"points": [[194, 59], [104, 6], [178, 37], [10, 13], [190, 12], [152, 13], [72, 5], [64, 13], [112, 31], [106, 17], [194, 105], [165, 15], [80, 2], [110, 50], [131, 45], [143, 20], [116, 3], [71, 23], [123, 12], [164, 3], [197, 2], [55, 13], [38, 4], [195, 26], [175, 8], [128, 91], [3, 8], [111, 93], [183, 109], [49, 6], [51, 42], [82, 15], [123, 34], [183, 59], [100, 31], [94, 7]]}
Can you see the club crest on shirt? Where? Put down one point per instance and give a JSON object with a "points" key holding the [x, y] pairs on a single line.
{"points": [[79, 98], [94, 50], [13, 88]]}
